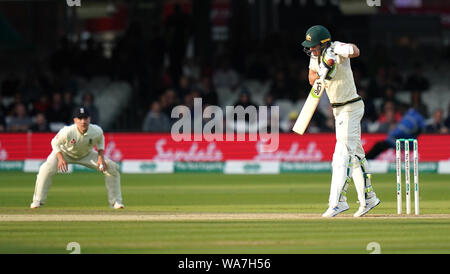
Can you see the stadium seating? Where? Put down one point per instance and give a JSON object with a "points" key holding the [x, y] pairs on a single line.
{"points": [[110, 98]]}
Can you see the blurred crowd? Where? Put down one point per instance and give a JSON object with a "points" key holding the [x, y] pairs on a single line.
{"points": [[163, 76]]}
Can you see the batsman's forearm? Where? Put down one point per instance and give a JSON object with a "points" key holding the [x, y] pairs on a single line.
{"points": [[346, 50], [312, 76], [355, 51]]}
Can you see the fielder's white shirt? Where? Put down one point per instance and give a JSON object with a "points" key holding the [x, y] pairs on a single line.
{"points": [[76, 145], [342, 87]]}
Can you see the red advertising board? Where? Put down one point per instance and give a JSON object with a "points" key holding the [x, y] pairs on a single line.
{"points": [[292, 147]]}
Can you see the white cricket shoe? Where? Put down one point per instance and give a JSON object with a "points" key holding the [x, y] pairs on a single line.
{"points": [[35, 204], [371, 203], [331, 212], [117, 205]]}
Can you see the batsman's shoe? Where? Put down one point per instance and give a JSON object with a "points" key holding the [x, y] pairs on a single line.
{"points": [[35, 204], [331, 212], [371, 203], [117, 205]]}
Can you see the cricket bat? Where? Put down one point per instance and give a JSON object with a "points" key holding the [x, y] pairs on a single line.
{"points": [[309, 107], [311, 102]]}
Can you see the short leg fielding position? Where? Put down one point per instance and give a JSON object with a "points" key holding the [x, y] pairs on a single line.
{"points": [[348, 108], [74, 145]]}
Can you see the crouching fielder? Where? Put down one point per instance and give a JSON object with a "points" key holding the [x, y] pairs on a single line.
{"points": [[74, 145], [348, 109]]}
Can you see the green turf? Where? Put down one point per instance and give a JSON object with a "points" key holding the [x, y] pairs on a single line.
{"points": [[85, 193]]}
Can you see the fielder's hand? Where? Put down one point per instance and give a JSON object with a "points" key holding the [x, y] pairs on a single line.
{"points": [[62, 166], [101, 165]]}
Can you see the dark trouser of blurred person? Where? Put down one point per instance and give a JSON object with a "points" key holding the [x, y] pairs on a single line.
{"points": [[377, 149]]}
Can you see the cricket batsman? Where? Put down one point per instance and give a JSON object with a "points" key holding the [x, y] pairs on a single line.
{"points": [[74, 145], [348, 108]]}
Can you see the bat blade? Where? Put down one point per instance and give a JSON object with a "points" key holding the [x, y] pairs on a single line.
{"points": [[308, 109]]}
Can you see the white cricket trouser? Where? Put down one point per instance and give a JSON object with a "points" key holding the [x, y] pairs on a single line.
{"points": [[50, 166], [348, 146], [348, 127]]}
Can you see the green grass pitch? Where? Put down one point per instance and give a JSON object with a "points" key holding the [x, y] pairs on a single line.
{"points": [[301, 195]]}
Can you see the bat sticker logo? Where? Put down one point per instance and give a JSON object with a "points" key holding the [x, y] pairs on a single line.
{"points": [[316, 91]]}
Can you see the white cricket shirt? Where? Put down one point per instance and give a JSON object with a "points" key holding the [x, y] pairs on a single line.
{"points": [[342, 87], [76, 145]]}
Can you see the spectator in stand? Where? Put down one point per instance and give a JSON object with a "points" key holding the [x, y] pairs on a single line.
{"points": [[31, 87], [447, 121], [69, 105], [184, 86], [40, 123], [209, 93], [2, 115], [389, 121], [155, 120], [389, 95], [20, 121], [168, 100], [416, 102], [226, 77], [56, 112], [196, 93], [417, 80], [246, 124], [280, 87], [12, 102], [188, 101], [317, 120], [2, 123], [244, 99], [43, 105], [436, 123], [166, 81], [269, 102], [18, 99], [88, 104], [389, 106], [394, 78], [288, 124], [370, 112], [378, 84], [411, 126]]}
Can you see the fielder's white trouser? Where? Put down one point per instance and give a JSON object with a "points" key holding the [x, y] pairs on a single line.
{"points": [[349, 155], [50, 166]]}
